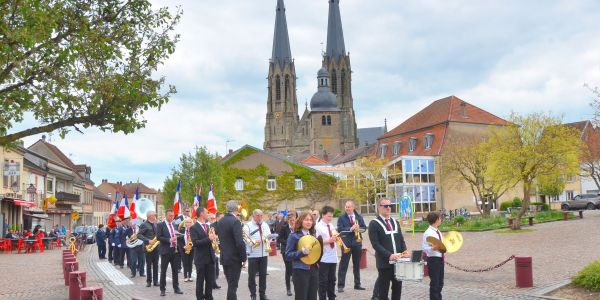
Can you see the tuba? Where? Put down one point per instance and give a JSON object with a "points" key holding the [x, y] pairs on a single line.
{"points": [[133, 241], [150, 248], [143, 206]]}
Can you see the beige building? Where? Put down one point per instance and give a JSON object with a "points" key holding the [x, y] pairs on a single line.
{"points": [[12, 188]]}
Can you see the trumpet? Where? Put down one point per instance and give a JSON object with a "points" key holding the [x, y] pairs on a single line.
{"points": [[358, 236], [267, 244], [188, 246], [215, 242], [248, 240], [339, 241], [150, 248]]}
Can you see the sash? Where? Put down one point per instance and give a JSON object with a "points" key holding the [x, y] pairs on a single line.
{"points": [[390, 232]]}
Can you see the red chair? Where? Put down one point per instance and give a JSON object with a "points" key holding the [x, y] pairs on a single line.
{"points": [[20, 245], [8, 246], [58, 242], [2, 244]]}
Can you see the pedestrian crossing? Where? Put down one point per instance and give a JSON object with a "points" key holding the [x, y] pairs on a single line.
{"points": [[269, 269], [113, 274]]}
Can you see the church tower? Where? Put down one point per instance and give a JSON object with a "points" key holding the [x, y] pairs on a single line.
{"points": [[325, 134], [282, 105], [337, 61]]}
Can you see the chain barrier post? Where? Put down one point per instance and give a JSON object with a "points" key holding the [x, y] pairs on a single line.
{"points": [[76, 283], [70, 267], [91, 293], [523, 272]]}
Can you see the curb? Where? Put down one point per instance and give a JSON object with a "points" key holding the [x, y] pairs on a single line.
{"points": [[109, 290], [541, 292]]}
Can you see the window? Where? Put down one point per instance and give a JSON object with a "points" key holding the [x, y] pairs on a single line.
{"points": [[11, 175], [271, 184], [50, 185], [328, 120], [334, 82], [298, 184], [570, 195], [323, 120], [239, 184], [382, 151], [412, 144], [396, 149], [342, 81], [277, 88], [428, 140], [287, 85]]}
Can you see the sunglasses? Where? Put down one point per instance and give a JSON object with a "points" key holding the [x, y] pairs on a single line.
{"points": [[386, 205]]}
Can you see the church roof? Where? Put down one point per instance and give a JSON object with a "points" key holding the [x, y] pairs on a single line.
{"points": [[369, 135], [335, 34], [281, 39], [323, 99]]}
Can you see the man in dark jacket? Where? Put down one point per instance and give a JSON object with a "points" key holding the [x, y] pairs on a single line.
{"points": [[147, 233], [101, 241], [204, 255], [387, 240], [169, 254], [114, 238], [233, 248], [350, 222]]}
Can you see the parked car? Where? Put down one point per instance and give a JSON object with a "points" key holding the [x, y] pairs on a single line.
{"points": [[86, 231], [583, 201]]}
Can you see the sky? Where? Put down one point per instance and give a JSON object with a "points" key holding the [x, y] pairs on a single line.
{"points": [[502, 56]]}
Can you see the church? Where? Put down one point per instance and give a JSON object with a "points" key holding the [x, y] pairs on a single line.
{"points": [[328, 128]]}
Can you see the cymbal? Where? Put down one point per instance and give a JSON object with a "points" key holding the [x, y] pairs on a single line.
{"points": [[453, 241], [435, 242], [314, 249]]}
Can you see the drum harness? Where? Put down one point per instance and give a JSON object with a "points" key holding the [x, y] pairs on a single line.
{"points": [[390, 232]]}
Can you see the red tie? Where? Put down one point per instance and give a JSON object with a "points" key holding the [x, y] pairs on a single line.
{"points": [[331, 241], [172, 232], [351, 220], [204, 226], [440, 237], [260, 230], [387, 224]]}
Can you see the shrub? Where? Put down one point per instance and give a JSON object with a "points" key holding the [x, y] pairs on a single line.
{"points": [[517, 202], [459, 220], [589, 277], [337, 213], [544, 206], [505, 205]]}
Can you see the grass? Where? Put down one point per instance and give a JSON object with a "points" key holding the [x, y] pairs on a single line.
{"points": [[589, 277], [479, 223], [510, 231]]}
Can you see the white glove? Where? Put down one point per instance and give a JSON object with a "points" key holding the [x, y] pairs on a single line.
{"points": [[305, 250], [113, 244], [119, 246]]}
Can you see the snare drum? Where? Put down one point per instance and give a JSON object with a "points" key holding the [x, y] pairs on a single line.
{"points": [[405, 270]]}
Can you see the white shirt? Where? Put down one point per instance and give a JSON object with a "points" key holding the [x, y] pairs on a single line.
{"points": [[329, 254], [172, 234], [431, 231]]}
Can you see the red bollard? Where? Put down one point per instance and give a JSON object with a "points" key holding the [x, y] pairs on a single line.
{"points": [[70, 267], [363, 258], [91, 293], [523, 272], [66, 252], [273, 249], [76, 283]]}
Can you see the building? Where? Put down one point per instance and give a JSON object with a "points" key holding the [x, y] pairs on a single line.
{"points": [[110, 190], [101, 207], [144, 191], [414, 148], [329, 127], [35, 173], [13, 189]]}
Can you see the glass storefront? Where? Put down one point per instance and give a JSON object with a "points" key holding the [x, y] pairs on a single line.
{"points": [[415, 178]]}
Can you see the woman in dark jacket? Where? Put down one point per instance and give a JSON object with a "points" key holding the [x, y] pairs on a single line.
{"points": [[305, 277], [284, 233]]}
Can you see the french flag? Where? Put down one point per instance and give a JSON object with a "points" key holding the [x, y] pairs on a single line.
{"points": [[197, 200], [136, 196], [211, 202], [177, 199], [123, 211], [111, 223]]}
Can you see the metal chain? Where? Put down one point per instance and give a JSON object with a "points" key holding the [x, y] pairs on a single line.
{"points": [[94, 297], [79, 279], [484, 269]]}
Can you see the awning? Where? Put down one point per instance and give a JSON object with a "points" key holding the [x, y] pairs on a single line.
{"points": [[20, 202], [44, 216]]}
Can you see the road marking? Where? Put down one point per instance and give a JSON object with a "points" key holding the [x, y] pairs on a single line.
{"points": [[169, 279], [113, 274]]}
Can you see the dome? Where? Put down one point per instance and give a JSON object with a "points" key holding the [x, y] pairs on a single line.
{"points": [[322, 73], [323, 99]]}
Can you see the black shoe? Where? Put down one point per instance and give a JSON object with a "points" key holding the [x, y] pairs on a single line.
{"points": [[148, 284], [142, 275], [178, 291], [121, 267], [252, 297], [360, 288], [132, 275], [162, 293], [264, 298], [289, 292], [156, 284], [110, 261], [340, 289], [216, 286]]}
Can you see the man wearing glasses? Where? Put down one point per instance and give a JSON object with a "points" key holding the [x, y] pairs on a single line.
{"points": [[349, 226], [387, 240]]}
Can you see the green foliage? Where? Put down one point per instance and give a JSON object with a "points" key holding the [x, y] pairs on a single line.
{"points": [[363, 180], [337, 213], [505, 205], [459, 220], [510, 231], [589, 277], [545, 206], [517, 202], [87, 63]]}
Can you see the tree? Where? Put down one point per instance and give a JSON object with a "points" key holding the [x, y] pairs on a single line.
{"points": [[82, 63], [591, 157], [466, 160], [319, 190], [198, 169], [533, 147], [595, 102], [365, 181]]}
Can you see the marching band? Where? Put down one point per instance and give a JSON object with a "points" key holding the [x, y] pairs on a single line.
{"points": [[307, 243]]}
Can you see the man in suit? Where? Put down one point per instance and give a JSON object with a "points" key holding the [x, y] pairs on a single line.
{"points": [[233, 248], [350, 221], [387, 240], [147, 234], [166, 234], [101, 241], [115, 235], [204, 255]]}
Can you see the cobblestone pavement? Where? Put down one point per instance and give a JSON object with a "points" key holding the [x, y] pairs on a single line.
{"points": [[559, 250]]}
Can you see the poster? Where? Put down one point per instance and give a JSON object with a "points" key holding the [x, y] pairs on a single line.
{"points": [[407, 212]]}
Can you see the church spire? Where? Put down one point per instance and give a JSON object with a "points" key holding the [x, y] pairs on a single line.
{"points": [[335, 34], [281, 40]]}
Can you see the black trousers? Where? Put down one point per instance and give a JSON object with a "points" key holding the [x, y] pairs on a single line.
{"points": [[288, 274], [306, 283], [174, 259], [384, 278], [376, 289], [110, 252], [436, 273], [205, 276], [101, 250], [138, 260], [216, 268], [355, 253], [257, 265], [116, 256], [327, 281], [232, 273], [187, 260], [152, 266]]}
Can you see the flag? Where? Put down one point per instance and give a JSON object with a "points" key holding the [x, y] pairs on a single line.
{"points": [[211, 202], [111, 223], [197, 199], [123, 211], [176, 200], [136, 196]]}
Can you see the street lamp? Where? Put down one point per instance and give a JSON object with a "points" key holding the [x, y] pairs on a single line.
{"points": [[14, 187]]}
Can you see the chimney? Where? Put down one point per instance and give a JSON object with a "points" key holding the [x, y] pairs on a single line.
{"points": [[230, 151], [104, 181], [44, 137]]}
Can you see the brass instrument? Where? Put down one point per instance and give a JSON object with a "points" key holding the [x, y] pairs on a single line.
{"points": [[267, 244], [133, 241], [248, 240], [339, 241], [150, 248], [215, 242], [358, 236], [188, 246]]}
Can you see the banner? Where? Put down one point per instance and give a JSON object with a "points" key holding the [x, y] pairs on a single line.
{"points": [[407, 214]]}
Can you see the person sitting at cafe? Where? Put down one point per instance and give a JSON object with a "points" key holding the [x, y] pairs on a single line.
{"points": [[36, 229], [9, 235]]}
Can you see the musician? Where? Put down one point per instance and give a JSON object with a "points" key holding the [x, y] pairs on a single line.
{"points": [[387, 241], [305, 277], [282, 239], [137, 255], [124, 233], [350, 221], [435, 259], [110, 238], [186, 259], [101, 241], [212, 220], [204, 255], [169, 254], [147, 233], [233, 248], [258, 231], [116, 238], [328, 262]]}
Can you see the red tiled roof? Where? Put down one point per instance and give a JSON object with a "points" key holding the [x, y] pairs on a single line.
{"points": [[65, 159], [438, 131], [449, 109], [313, 160], [129, 188]]}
